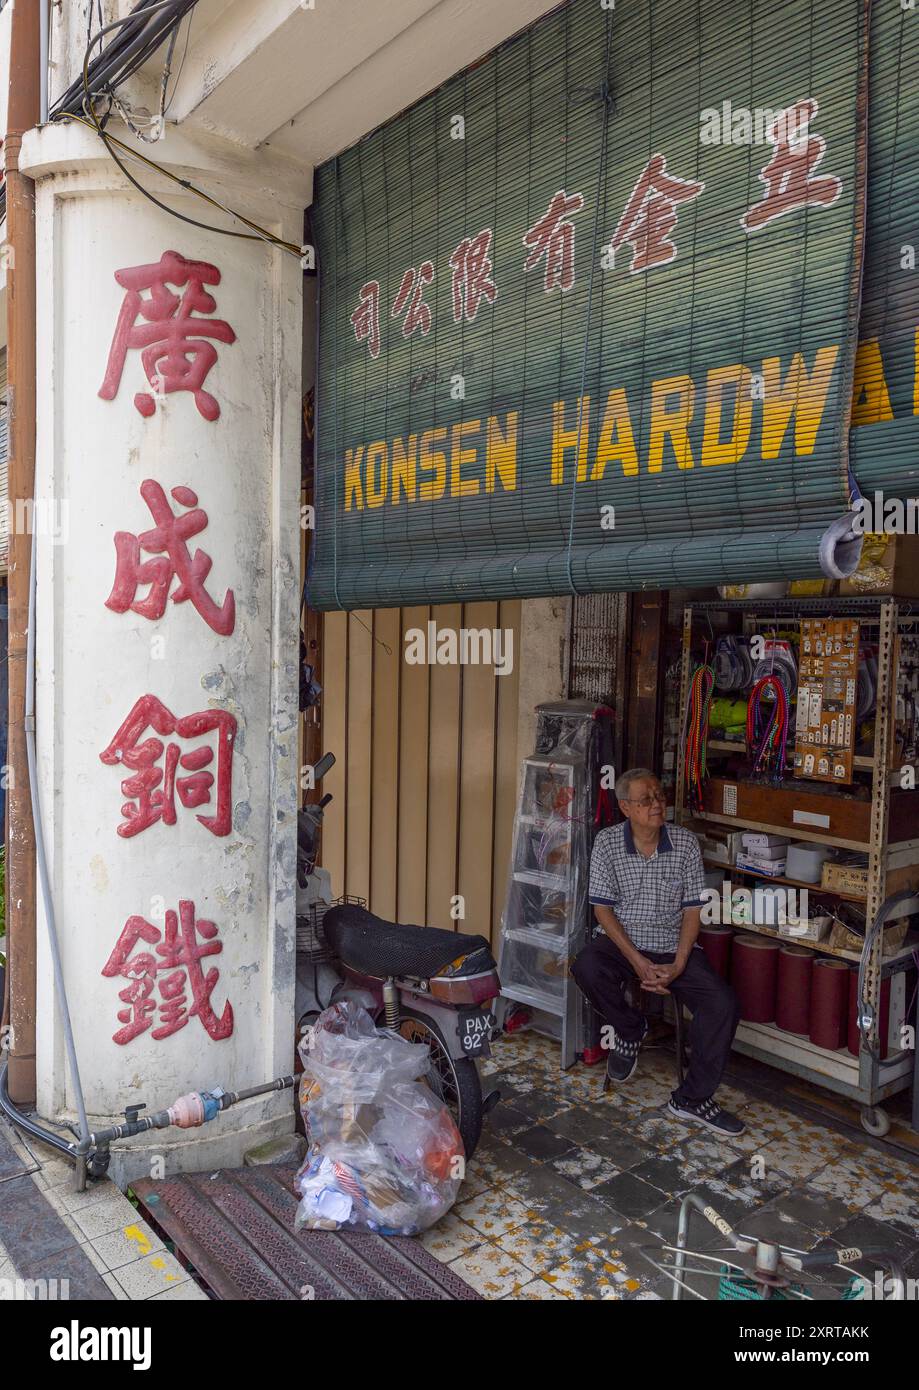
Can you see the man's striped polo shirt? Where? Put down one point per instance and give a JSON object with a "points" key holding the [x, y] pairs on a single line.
{"points": [[648, 894]]}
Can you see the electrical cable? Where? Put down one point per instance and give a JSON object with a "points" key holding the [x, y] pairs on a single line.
{"points": [[141, 33], [159, 23], [259, 234], [167, 71], [695, 760], [733, 665], [144, 53], [767, 726], [779, 661], [181, 65]]}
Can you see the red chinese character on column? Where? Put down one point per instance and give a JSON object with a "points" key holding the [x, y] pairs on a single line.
{"points": [[789, 176], [149, 801], [366, 317], [183, 953], [168, 330], [553, 237], [167, 543], [650, 215], [181, 957], [419, 313], [140, 971], [472, 267]]}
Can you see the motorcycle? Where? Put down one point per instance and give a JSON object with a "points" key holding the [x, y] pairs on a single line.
{"points": [[429, 985]]}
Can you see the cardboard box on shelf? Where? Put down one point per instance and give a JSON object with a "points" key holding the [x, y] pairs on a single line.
{"points": [[756, 865], [722, 846], [845, 878], [844, 940], [761, 846], [808, 931], [897, 572], [812, 588]]}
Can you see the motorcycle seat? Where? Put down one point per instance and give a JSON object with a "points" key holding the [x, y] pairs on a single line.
{"points": [[375, 947]]}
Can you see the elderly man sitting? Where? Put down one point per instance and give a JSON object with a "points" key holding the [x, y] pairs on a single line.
{"points": [[646, 883]]}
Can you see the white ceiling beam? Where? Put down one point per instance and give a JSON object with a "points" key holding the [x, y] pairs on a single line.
{"points": [[310, 82], [254, 67]]}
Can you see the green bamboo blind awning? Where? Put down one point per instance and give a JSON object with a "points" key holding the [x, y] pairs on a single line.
{"points": [[884, 443], [570, 340]]}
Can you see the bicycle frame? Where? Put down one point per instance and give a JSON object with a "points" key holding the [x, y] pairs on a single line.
{"points": [[768, 1264]]}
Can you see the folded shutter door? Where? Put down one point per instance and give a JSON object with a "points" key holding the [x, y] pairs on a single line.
{"points": [[885, 406]]}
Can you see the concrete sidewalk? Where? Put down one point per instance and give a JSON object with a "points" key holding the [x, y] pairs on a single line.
{"points": [[93, 1240]]}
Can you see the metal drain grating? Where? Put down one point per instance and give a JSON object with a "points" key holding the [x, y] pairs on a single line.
{"points": [[236, 1227]]}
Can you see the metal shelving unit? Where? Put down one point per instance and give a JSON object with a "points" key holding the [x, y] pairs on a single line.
{"points": [[865, 1079]]}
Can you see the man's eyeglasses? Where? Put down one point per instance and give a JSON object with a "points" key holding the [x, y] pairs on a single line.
{"points": [[646, 802]]}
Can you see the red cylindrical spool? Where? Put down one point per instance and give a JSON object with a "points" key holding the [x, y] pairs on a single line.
{"points": [[829, 999], [793, 990], [754, 969], [884, 1022], [716, 943]]}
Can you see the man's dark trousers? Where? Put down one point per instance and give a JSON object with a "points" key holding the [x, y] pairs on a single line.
{"points": [[601, 971]]}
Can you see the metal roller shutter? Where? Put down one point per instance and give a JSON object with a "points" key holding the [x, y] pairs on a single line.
{"points": [[515, 243]]}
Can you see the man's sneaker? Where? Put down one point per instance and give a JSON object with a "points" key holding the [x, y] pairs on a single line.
{"points": [[623, 1057], [708, 1113]]}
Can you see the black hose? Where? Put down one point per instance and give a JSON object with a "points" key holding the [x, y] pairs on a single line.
{"points": [[23, 1122], [280, 1083]]}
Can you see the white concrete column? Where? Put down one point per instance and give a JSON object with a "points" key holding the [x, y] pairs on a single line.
{"points": [[167, 506]]}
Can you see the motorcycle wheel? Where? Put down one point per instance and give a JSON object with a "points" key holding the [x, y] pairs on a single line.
{"points": [[454, 1082]]}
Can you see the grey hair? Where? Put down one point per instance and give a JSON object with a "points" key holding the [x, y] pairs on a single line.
{"points": [[635, 774]]}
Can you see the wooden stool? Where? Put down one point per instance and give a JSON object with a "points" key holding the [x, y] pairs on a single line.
{"points": [[652, 1007]]}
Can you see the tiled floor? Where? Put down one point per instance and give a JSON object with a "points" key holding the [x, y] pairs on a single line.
{"points": [[93, 1240], [568, 1184], [566, 1187]]}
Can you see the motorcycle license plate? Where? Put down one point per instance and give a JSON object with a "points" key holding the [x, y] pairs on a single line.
{"points": [[474, 1031]]}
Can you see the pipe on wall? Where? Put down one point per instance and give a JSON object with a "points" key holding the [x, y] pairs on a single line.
{"points": [[44, 54], [42, 866], [22, 114]]}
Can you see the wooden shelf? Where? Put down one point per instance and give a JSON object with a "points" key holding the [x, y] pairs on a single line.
{"points": [[838, 1069], [787, 882], [797, 832], [728, 745], [823, 948]]}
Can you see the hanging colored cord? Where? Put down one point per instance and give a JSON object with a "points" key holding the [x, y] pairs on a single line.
{"points": [[767, 727], [696, 735]]}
